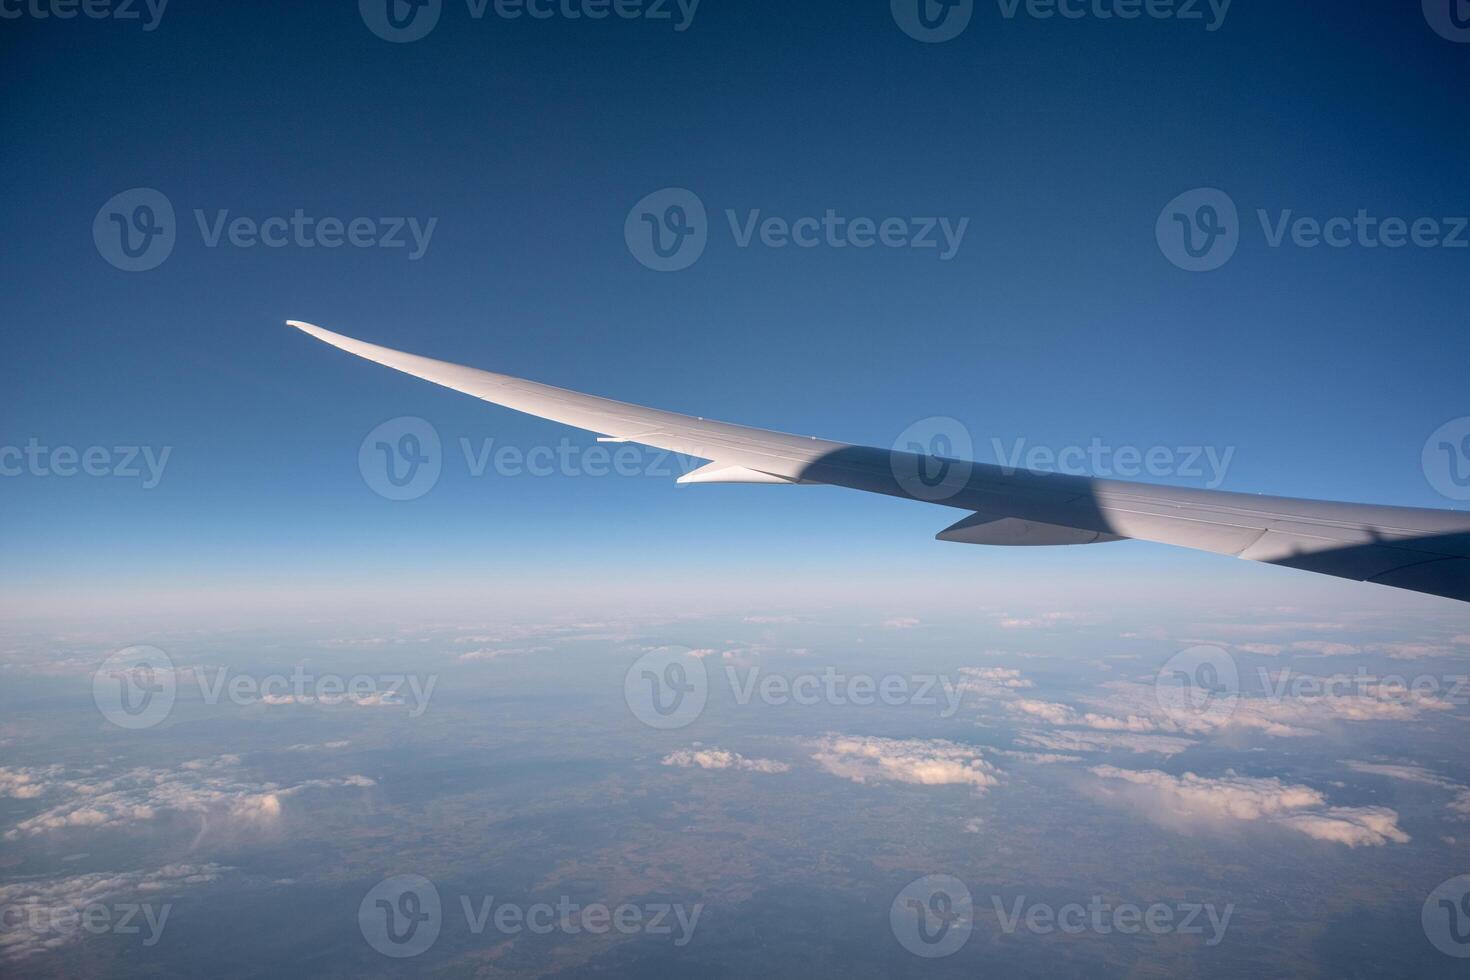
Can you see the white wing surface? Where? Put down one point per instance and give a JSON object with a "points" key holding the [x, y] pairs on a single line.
{"points": [[1409, 548]]}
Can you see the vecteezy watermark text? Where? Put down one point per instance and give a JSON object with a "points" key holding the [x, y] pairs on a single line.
{"points": [[668, 687], [1200, 230], [669, 229], [136, 687], [136, 230], [833, 687], [1286, 684], [401, 21], [54, 922], [934, 916], [403, 458], [144, 463], [148, 12], [1207, 463], [1103, 917], [934, 21], [402, 916]]}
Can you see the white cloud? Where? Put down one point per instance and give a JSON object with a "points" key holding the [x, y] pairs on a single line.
{"points": [[1325, 648], [46, 913], [1035, 622], [1075, 741], [899, 623], [25, 784], [1268, 629], [1302, 705], [923, 762], [1193, 801], [1459, 806], [496, 653], [1061, 714], [1414, 651], [1404, 772], [992, 682], [1047, 711], [1355, 826], [1262, 649], [721, 759], [211, 788], [1038, 758]]}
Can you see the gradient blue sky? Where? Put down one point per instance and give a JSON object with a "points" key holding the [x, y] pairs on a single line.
{"points": [[1058, 321]]}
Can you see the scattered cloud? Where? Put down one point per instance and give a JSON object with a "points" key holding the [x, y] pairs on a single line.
{"points": [[1459, 806], [46, 913], [1042, 621], [923, 762], [214, 788], [496, 653], [1404, 772], [992, 682], [1190, 800], [721, 759], [1075, 741], [1038, 758], [1326, 648], [307, 747]]}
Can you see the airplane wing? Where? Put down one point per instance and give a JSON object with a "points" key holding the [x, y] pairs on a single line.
{"points": [[1410, 548]]}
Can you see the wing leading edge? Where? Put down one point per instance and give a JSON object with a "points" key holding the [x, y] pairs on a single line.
{"points": [[1410, 548]]}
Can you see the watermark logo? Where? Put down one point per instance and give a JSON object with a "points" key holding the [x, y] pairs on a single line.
{"points": [[1199, 230], [401, 916], [571, 459], [1450, 19], [932, 21], [933, 916], [1446, 917], [667, 688], [135, 230], [931, 459], [135, 687], [1446, 459], [401, 459], [1199, 685], [667, 230], [400, 21]]}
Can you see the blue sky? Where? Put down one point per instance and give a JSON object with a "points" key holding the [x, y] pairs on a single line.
{"points": [[1057, 321]]}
